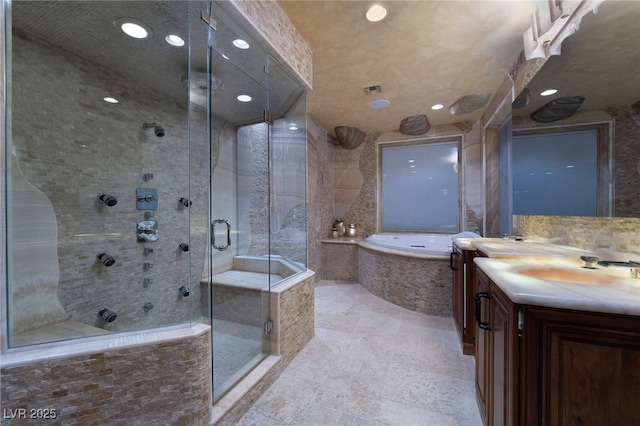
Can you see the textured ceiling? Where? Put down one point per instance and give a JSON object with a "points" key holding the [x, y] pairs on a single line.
{"points": [[87, 29], [428, 52], [424, 52]]}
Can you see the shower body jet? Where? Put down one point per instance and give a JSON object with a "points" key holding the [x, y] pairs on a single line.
{"points": [[159, 131]]}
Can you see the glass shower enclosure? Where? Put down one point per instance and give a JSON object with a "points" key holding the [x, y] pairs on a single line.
{"points": [[152, 180]]}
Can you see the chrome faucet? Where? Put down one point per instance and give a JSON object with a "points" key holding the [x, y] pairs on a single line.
{"points": [[590, 261]]}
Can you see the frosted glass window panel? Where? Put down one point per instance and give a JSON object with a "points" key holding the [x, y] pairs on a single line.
{"points": [[419, 187], [555, 174]]}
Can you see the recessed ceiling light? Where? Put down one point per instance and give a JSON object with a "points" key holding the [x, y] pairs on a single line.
{"points": [[174, 40], [412, 161], [411, 166], [110, 99], [437, 106], [225, 57], [134, 28], [244, 98], [240, 43], [293, 127], [379, 104], [376, 13], [570, 167], [548, 92]]}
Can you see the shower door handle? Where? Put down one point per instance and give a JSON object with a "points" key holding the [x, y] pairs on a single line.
{"points": [[213, 234]]}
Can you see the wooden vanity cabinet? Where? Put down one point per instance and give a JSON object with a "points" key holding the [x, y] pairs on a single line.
{"points": [[547, 366], [461, 262]]}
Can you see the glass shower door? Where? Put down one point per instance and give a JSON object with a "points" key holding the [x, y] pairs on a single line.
{"points": [[239, 201]]}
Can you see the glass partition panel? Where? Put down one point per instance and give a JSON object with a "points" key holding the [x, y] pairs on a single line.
{"points": [[99, 161], [288, 161]]}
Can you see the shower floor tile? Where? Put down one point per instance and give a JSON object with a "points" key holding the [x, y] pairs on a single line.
{"points": [[372, 363], [236, 349]]}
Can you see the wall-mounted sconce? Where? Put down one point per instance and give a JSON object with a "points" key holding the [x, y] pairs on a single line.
{"points": [[106, 259], [107, 315], [184, 291], [185, 202], [184, 246], [107, 199]]}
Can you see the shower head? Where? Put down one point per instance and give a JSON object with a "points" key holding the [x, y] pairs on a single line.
{"points": [[159, 131]]}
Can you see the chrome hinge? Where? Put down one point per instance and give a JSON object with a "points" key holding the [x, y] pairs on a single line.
{"points": [[520, 321], [268, 327], [208, 20], [267, 117]]}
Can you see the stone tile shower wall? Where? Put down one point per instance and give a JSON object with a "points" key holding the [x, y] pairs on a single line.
{"points": [[272, 191], [71, 145]]}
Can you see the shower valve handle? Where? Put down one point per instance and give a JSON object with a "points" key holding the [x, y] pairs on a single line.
{"points": [[147, 197]]}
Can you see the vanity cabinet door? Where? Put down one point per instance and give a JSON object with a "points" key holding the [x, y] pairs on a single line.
{"points": [[483, 344], [457, 268], [497, 354], [469, 290], [461, 262], [580, 368]]}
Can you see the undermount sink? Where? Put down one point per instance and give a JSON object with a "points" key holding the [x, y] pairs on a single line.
{"points": [[567, 275]]}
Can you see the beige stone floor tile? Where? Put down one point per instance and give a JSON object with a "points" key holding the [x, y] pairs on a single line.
{"points": [[372, 363], [436, 392], [396, 414]]}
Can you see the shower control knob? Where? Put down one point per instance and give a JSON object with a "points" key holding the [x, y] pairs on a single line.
{"points": [[147, 197], [184, 246]]}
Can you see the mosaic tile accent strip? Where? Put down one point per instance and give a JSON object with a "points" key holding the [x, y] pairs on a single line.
{"points": [[320, 192]]}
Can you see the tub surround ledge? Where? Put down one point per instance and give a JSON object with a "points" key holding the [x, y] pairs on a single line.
{"points": [[97, 344]]}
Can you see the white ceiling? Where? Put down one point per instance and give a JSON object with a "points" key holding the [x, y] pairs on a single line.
{"points": [[427, 52]]}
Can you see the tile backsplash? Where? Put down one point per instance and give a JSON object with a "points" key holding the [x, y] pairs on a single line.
{"points": [[621, 234]]}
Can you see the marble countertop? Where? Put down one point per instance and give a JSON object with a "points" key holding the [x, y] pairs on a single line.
{"points": [[620, 294]]}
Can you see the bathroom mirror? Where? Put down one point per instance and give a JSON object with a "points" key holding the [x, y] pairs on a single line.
{"points": [[600, 62]]}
